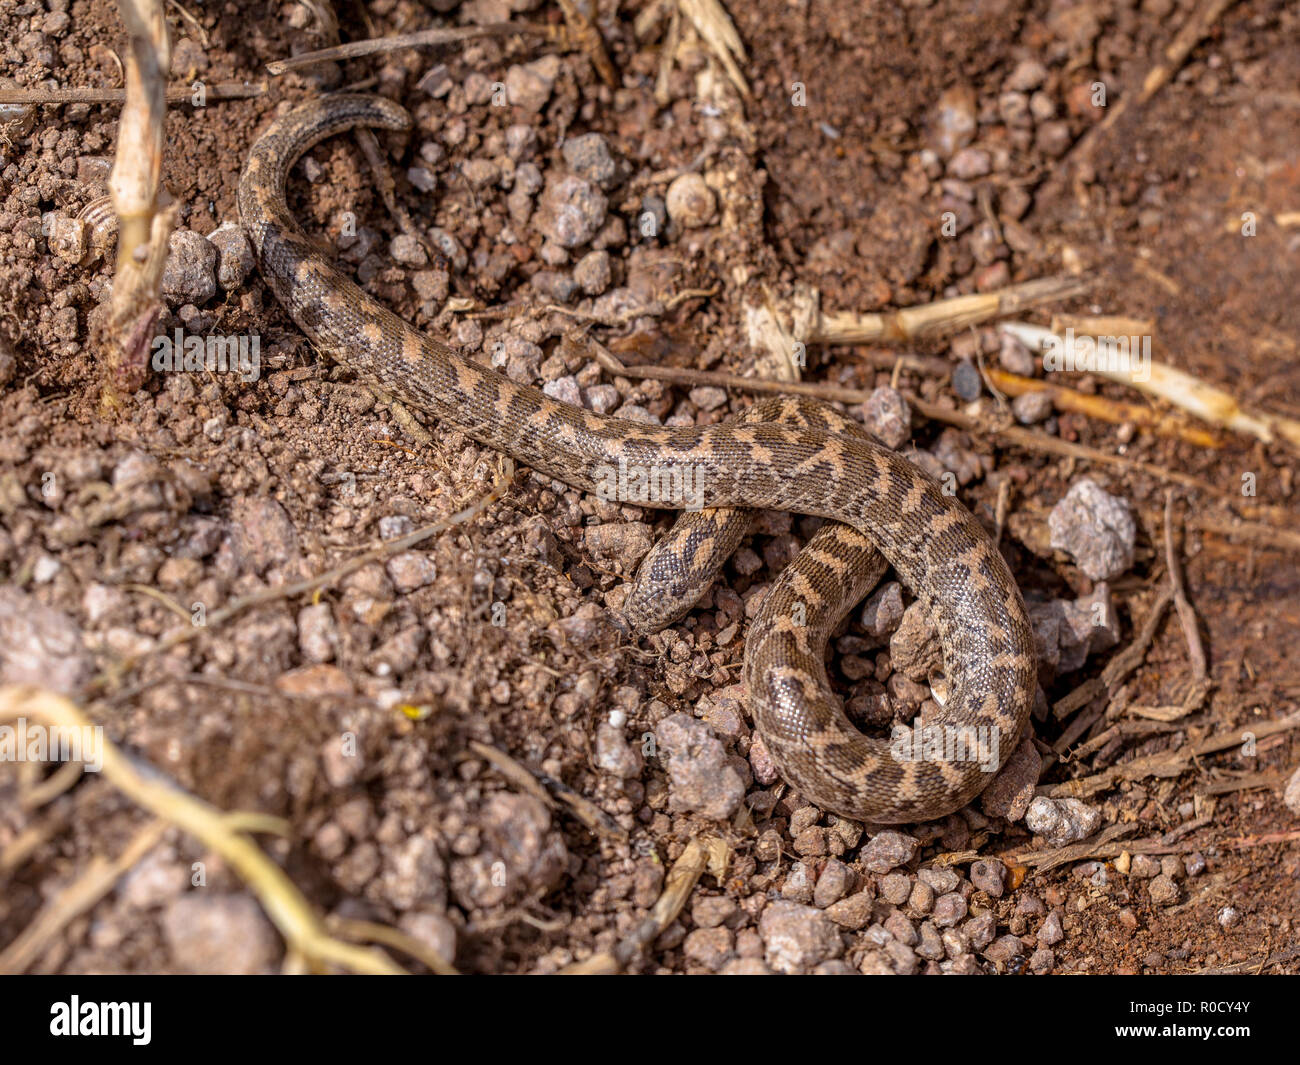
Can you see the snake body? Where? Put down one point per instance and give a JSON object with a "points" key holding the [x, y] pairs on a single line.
{"points": [[784, 455]]}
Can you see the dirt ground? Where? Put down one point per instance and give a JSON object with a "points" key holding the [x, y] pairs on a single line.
{"points": [[364, 713]]}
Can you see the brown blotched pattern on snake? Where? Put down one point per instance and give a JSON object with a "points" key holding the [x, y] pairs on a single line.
{"points": [[783, 455]]}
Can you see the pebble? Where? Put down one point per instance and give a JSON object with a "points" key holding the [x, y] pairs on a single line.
{"points": [[571, 211], [708, 947], [966, 381], [1030, 408], [565, 389], [621, 543], [888, 850], [835, 880], [690, 201], [190, 273], [434, 930], [1015, 357], [213, 934], [989, 876], [1163, 890], [529, 85], [954, 122], [1095, 528], [615, 755], [701, 778], [1004, 950], [411, 570], [798, 886], [603, 398], [1291, 794], [981, 930], [713, 910], [1051, 932], [970, 163], [1061, 821], [896, 888], [589, 157], [593, 272], [318, 636], [888, 417], [796, 937], [40, 645], [407, 249], [883, 611], [852, 913], [949, 909], [1228, 917], [1029, 74]]}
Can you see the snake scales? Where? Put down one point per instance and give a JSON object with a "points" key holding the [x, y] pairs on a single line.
{"points": [[791, 455]]}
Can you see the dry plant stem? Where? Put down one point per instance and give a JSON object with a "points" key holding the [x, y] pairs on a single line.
{"points": [[1186, 614], [715, 27], [591, 815], [1121, 665], [1167, 764], [422, 39], [284, 904], [942, 317], [221, 90], [588, 38], [1107, 410], [78, 897], [143, 230], [1182, 390], [386, 935]]}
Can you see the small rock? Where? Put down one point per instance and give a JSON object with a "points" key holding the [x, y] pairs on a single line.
{"points": [[1061, 821], [1095, 528], [954, 122], [529, 85], [1030, 408], [588, 156], [888, 417], [190, 273], [593, 272], [1291, 794], [888, 850], [411, 570], [1164, 890], [701, 778], [40, 645], [989, 876], [1051, 931], [832, 884], [796, 938], [219, 934], [571, 211], [614, 755], [1004, 950]]}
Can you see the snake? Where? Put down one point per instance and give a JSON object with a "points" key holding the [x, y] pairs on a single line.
{"points": [[792, 455]]}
